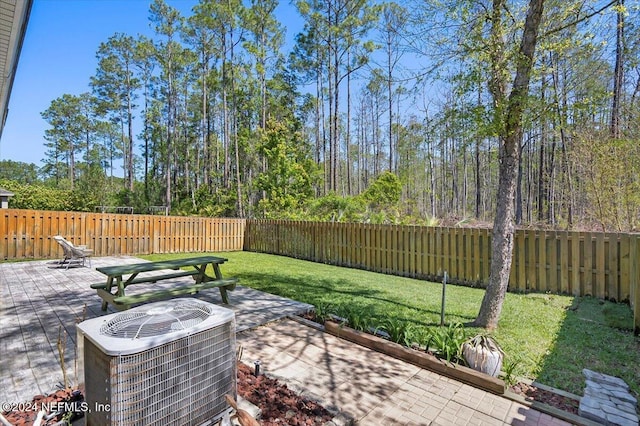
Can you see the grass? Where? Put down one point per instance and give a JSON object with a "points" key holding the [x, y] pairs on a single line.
{"points": [[551, 338]]}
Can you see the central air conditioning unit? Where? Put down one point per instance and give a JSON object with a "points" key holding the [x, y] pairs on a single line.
{"points": [[164, 363]]}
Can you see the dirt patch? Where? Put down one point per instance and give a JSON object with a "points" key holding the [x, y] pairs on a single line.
{"points": [[279, 404], [533, 393]]}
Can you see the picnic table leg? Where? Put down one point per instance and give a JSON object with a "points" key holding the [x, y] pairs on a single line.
{"points": [[201, 276], [223, 294], [216, 271], [108, 288], [223, 290]]}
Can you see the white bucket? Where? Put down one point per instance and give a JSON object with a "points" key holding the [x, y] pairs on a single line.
{"points": [[482, 359]]}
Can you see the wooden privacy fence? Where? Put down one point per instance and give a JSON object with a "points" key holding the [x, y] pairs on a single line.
{"points": [[29, 233], [603, 265]]}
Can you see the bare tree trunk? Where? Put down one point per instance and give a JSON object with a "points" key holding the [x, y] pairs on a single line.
{"points": [[234, 130], [477, 165], [477, 178], [347, 135], [465, 180], [146, 143], [225, 132], [432, 180], [618, 73], [375, 136], [530, 174], [518, 202], [170, 136], [204, 123], [551, 178], [567, 181], [336, 118], [503, 227], [390, 105], [542, 187], [130, 171]]}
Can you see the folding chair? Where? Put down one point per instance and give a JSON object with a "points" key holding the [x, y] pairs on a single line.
{"points": [[72, 253]]}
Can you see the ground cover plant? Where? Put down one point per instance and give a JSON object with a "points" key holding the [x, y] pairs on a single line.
{"points": [[550, 338]]}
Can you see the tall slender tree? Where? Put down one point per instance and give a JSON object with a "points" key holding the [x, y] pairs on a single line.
{"points": [[394, 18], [115, 87], [66, 137], [509, 110], [167, 21], [144, 61], [618, 74]]}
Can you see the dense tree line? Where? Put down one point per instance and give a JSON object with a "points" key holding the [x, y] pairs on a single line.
{"points": [[211, 116]]}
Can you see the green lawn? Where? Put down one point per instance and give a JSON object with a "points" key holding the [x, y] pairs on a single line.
{"points": [[551, 337]]}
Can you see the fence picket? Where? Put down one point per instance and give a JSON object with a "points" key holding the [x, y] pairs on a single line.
{"points": [[600, 284], [520, 252], [554, 259], [563, 269], [542, 260], [587, 276]]}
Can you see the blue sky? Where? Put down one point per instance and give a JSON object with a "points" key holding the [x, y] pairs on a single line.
{"points": [[58, 57]]}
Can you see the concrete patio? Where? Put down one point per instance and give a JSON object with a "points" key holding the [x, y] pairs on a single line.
{"points": [[40, 302]]}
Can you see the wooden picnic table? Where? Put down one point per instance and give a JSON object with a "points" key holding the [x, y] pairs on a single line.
{"points": [[121, 276]]}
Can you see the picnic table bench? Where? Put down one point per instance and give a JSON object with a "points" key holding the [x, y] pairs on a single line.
{"points": [[121, 276]]}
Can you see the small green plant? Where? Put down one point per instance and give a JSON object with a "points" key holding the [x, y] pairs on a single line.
{"points": [[357, 318], [509, 370], [400, 331], [446, 342], [323, 311]]}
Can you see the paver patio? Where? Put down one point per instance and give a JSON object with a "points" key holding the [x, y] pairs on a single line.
{"points": [[36, 301], [373, 388]]}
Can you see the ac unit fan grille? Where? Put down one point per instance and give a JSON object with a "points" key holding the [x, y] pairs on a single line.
{"points": [[178, 383], [159, 320]]}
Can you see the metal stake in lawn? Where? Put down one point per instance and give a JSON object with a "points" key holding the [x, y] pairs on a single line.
{"points": [[444, 291]]}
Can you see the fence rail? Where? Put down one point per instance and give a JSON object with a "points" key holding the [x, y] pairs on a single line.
{"points": [[28, 234]]}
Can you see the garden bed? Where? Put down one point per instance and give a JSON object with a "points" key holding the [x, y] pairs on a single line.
{"points": [[418, 358], [279, 404], [543, 398]]}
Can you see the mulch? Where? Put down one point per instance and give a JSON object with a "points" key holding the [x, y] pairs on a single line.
{"points": [[533, 393], [279, 404], [25, 414]]}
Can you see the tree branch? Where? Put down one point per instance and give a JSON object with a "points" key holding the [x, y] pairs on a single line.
{"points": [[577, 21]]}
